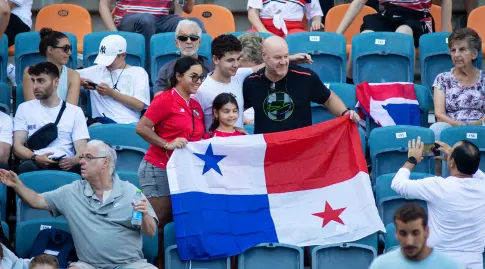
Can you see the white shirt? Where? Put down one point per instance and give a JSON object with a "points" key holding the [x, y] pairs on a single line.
{"points": [[32, 115], [133, 82], [456, 213], [23, 10], [6, 128], [210, 88], [289, 10]]}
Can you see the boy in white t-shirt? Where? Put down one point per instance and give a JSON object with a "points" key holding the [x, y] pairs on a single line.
{"points": [[122, 91], [72, 134], [15, 18], [6, 127]]}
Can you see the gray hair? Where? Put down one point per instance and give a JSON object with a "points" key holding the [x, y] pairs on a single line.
{"points": [[105, 149], [187, 23], [252, 45]]}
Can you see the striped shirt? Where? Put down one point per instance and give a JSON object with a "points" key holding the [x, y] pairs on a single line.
{"points": [[157, 8], [289, 10], [418, 5]]}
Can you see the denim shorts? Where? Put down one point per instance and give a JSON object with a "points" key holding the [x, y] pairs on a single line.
{"points": [[153, 180]]}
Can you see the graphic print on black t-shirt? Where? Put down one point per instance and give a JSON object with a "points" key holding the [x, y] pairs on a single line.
{"points": [[278, 106]]}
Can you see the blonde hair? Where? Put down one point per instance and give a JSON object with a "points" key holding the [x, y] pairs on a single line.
{"points": [[44, 259], [252, 46]]}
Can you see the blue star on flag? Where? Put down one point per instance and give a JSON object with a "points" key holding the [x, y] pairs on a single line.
{"points": [[210, 160]]}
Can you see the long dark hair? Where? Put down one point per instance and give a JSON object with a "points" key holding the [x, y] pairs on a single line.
{"points": [[49, 38], [181, 66], [220, 101]]}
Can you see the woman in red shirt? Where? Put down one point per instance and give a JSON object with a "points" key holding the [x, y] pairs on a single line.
{"points": [[172, 120]]}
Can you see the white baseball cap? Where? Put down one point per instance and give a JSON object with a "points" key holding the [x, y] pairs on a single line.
{"points": [[110, 47]]}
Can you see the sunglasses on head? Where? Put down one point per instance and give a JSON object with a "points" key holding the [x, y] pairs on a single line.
{"points": [[184, 38], [67, 48]]}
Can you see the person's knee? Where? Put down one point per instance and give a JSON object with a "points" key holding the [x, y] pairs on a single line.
{"points": [[4, 8], [367, 31], [145, 20], [405, 29], [437, 128]]}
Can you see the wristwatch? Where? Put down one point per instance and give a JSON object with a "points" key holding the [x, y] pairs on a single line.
{"points": [[412, 160], [33, 157]]}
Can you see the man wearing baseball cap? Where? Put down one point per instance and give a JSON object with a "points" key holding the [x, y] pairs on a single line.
{"points": [[119, 91]]}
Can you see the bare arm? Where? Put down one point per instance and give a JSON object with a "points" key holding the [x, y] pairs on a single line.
{"points": [[105, 12], [354, 9], [254, 19], [27, 195], [148, 225], [20, 151], [439, 108], [335, 105], [4, 152], [128, 101], [446, 10], [144, 128], [188, 6], [27, 86], [79, 146], [74, 87]]}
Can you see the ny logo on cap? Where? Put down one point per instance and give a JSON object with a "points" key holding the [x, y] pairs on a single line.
{"points": [[102, 50]]}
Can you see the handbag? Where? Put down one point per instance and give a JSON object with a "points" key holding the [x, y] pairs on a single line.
{"points": [[46, 134]]}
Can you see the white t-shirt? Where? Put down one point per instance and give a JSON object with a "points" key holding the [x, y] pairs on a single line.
{"points": [[32, 115], [23, 10], [6, 128], [210, 88], [456, 213], [133, 82]]}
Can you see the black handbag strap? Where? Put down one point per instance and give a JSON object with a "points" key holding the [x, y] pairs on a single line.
{"points": [[60, 112]]}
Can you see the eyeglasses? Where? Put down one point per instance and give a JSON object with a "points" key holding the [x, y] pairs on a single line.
{"points": [[184, 38], [89, 158], [67, 48], [196, 78]]}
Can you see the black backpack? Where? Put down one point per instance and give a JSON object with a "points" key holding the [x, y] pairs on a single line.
{"points": [[57, 243]]}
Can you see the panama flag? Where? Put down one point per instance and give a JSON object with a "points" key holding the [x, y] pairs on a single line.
{"points": [[304, 187], [389, 104]]}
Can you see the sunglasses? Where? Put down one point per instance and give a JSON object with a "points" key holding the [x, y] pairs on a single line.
{"points": [[196, 78], [184, 38], [67, 48]]}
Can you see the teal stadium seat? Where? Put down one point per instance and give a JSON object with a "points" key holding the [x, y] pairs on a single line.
{"points": [[383, 57], [272, 255], [5, 98], [27, 231], [346, 92], [390, 241], [3, 58], [129, 176], [6, 230], [329, 61]]}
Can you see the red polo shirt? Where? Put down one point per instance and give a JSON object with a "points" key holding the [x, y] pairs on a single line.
{"points": [[173, 117]]}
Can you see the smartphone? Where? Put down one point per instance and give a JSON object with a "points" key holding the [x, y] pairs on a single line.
{"points": [[57, 159], [92, 84], [431, 150]]}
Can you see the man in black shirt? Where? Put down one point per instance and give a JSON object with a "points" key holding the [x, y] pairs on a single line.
{"points": [[281, 93]]}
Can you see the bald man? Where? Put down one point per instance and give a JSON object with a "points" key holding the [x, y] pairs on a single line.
{"points": [[281, 93]]}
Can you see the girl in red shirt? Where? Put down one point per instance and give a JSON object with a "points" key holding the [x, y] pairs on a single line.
{"points": [[172, 120], [225, 111]]}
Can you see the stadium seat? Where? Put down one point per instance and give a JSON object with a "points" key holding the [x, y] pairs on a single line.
{"points": [[172, 259], [263, 35], [19, 96], [356, 255], [27, 231], [475, 21], [40, 182], [150, 247], [389, 149], [346, 92], [164, 50], [474, 134], [66, 18], [135, 50], [392, 54], [129, 146], [329, 62], [390, 241], [363, 141], [3, 58], [5, 98], [129, 176], [6, 229], [217, 20], [27, 52], [388, 201], [335, 16], [271, 255], [3, 201]]}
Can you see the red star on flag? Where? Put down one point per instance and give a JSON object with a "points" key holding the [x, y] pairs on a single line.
{"points": [[330, 214]]}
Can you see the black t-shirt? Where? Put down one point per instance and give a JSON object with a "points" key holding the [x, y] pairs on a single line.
{"points": [[286, 105]]}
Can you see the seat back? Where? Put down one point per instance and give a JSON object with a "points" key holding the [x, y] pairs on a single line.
{"points": [[27, 52], [474, 134], [65, 18], [40, 182], [390, 53], [3, 58], [389, 147], [346, 92], [163, 50], [337, 13], [135, 50], [6, 229], [356, 255], [388, 201], [150, 247], [27, 231], [475, 21], [3, 201], [390, 241], [329, 62], [217, 20], [271, 255], [129, 176], [5, 98]]}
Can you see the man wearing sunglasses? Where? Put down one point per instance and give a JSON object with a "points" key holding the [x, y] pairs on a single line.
{"points": [[188, 39]]}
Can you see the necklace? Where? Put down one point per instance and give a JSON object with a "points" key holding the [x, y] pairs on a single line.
{"points": [[115, 85]]}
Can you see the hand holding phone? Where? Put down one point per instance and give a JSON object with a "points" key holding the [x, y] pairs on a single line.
{"points": [[92, 84], [57, 159]]}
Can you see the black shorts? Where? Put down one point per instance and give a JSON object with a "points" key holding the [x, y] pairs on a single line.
{"points": [[15, 26], [392, 17]]}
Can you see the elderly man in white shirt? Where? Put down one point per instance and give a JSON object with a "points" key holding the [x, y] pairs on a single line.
{"points": [[456, 204]]}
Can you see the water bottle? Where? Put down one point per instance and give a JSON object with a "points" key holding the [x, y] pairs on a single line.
{"points": [[136, 216]]}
